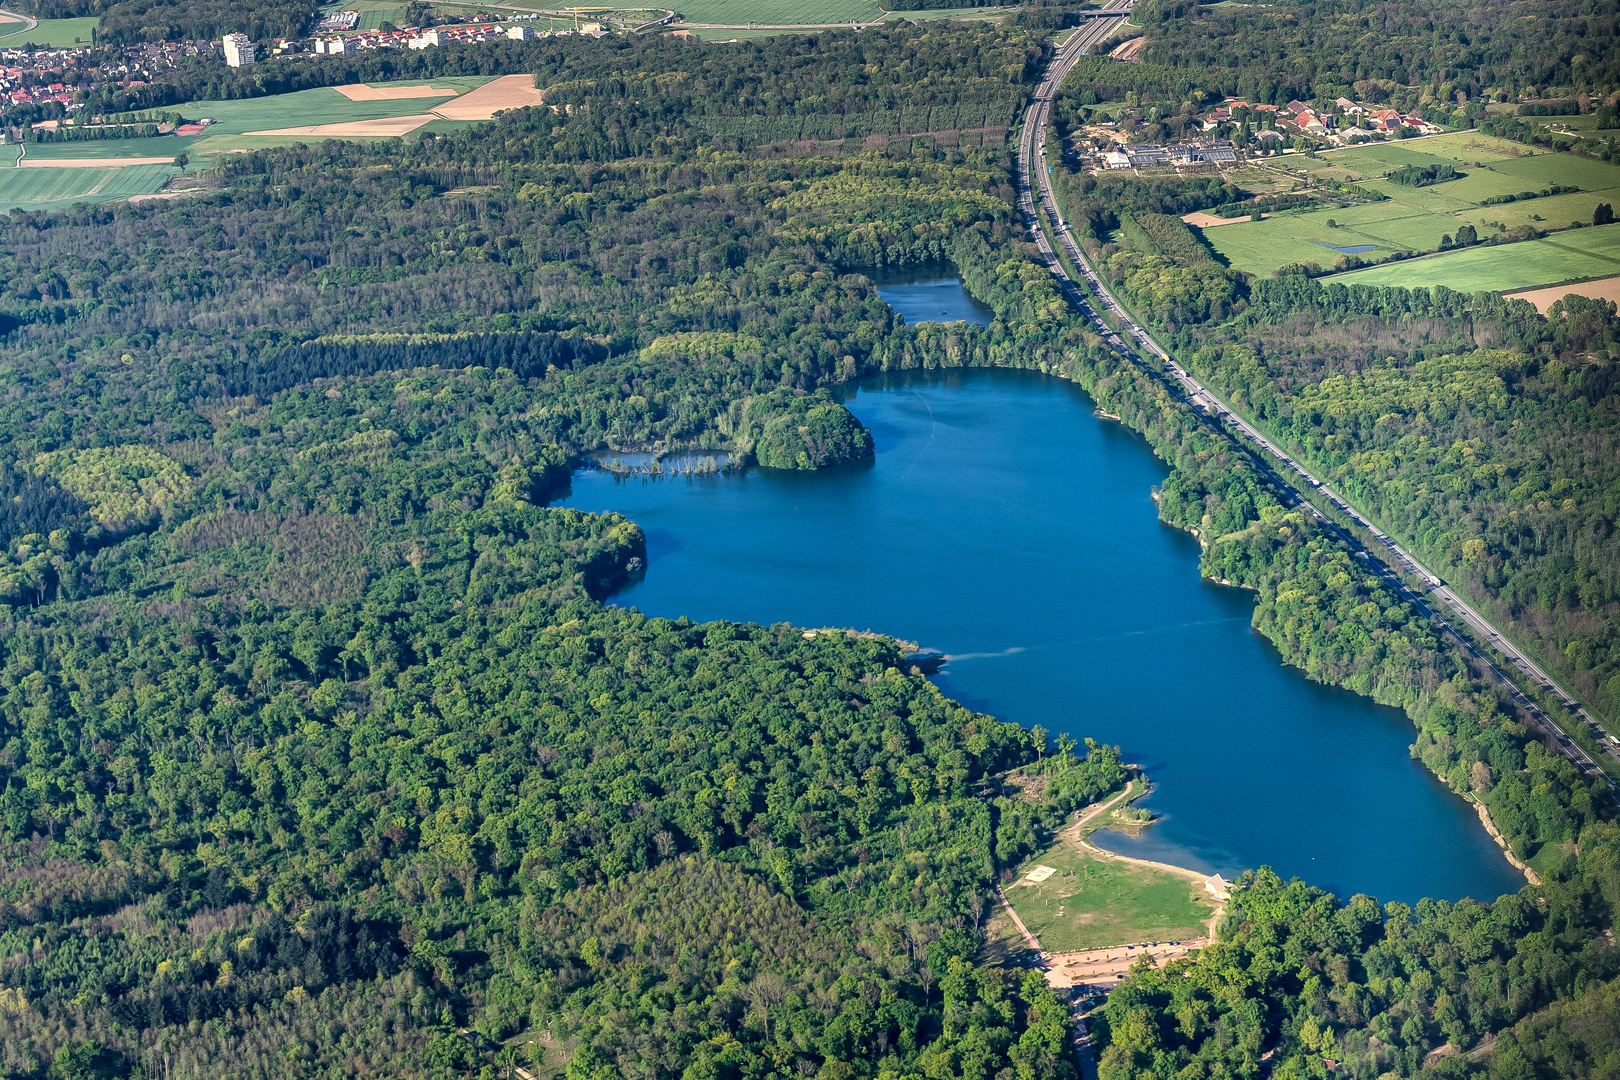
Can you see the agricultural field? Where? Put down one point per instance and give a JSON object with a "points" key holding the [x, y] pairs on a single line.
{"points": [[33, 188], [1417, 219], [50, 33], [237, 120], [1092, 903], [1561, 257], [984, 14], [55, 189], [779, 12], [164, 146]]}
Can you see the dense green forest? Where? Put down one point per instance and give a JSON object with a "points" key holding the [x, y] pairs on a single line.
{"points": [[128, 22], [320, 753], [1378, 50], [320, 746]]}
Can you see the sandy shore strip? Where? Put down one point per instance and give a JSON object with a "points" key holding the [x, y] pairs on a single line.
{"points": [[93, 163], [1601, 289], [363, 92], [507, 92], [391, 127]]}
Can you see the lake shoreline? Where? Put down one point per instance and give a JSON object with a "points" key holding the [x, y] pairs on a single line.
{"points": [[953, 460]]}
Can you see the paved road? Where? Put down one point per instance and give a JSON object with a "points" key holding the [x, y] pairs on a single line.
{"points": [[1031, 161], [28, 21]]}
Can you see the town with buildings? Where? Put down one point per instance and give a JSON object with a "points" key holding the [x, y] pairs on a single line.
{"points": [[1221, 135], [40, 88]]}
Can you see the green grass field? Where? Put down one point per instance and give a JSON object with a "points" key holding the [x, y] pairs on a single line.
{"points": [[1565, 256], [54, 189], [164, 146], [1416, 219], [51, 33], [1105, 903], [980, 14], [779, 12]]}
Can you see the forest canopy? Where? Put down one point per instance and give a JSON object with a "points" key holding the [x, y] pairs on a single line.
{"points": [[321, 752]]}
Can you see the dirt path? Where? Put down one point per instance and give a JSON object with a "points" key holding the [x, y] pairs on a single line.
{"points": [[1029, 938]]}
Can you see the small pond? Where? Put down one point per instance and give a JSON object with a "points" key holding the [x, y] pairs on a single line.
{"points": [[932, 293]]}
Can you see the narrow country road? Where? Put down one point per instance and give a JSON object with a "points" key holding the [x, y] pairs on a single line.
{"points": [[1290, 473], [29, 21]]}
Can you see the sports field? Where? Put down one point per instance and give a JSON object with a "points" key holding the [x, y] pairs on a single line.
{"points": [[51, 33], [1090, 903], [1565, 256], [1416, 219], [42, 189]]}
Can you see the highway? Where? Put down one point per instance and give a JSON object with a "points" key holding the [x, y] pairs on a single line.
{"points": [[1290, 473]]}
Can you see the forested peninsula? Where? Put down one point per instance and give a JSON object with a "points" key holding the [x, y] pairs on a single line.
{"points": [[321, 753]]}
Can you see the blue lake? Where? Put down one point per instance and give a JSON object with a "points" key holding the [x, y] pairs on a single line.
{"points": [[1007, 526], [931, 296]]}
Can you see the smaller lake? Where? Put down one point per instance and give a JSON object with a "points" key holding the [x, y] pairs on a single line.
{"points": [[935, 294]]}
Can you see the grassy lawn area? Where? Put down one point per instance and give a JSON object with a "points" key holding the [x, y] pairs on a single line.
{"points": [[983, 14], [50, 33], [163, 146], [1565, 256], [1550, 857], [1416, 219], [55, 189], [1093, 903], [780, 12]]}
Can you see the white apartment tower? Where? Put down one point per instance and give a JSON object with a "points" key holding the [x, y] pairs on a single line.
{"points": [[238, 50]]}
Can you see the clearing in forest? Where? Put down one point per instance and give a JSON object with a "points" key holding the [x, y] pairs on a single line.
{"points": [[1075, 896]]}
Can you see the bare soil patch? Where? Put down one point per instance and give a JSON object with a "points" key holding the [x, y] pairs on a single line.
{"points": [[389, 127], [1127, 51], [362, 92], [1601, 289], [1104, 969], [1210, 221], [507, 92]]}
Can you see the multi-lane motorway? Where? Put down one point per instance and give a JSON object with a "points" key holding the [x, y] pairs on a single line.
{"points": [[1132, 340]]}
